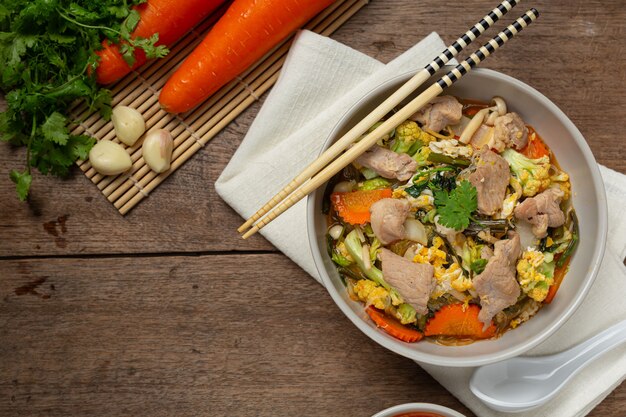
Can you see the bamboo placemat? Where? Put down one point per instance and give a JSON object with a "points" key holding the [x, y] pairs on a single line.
{"points": [[192, 130]]}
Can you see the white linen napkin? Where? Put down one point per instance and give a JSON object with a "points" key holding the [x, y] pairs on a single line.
{"points": [[318, 83]]}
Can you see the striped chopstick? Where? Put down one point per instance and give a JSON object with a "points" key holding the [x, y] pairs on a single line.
{"points": [[385, 107], [403, 114]]}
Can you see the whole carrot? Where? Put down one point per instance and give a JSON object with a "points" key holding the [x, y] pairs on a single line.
{"points": [[246, 32], [169, 18]]}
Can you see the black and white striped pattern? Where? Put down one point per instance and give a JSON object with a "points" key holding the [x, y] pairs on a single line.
{"points": [[488, 48], [469, 36]]}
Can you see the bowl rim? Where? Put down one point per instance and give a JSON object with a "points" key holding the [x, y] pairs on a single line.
{"points": [[403, 348], [412, 407]]}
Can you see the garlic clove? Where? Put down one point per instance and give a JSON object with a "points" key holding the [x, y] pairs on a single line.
{"points": [[128, 124], [157, 150], [109, 158]]}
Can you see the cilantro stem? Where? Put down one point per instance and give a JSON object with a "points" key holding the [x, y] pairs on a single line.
{"points": [[69, 19], [30, 141]]}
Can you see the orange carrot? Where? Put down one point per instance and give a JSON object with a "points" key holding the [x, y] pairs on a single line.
{"points": [[170, 19], [393, 326], [559, 274], [354, 207], [535, 148], [246, 32], [460, 321]]}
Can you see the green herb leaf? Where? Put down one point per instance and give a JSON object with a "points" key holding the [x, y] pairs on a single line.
{"points": [[22, 182], [47, 62], [456, 207], [54, 128]]}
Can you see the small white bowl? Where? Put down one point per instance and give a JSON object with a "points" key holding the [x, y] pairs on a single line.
{"points": [[417, 407], [589, 200]]}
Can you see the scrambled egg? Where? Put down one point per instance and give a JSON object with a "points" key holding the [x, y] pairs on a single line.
{"points": [[536, 183], [399, 193], [534, 275], [423, 201], [372, 294], [448, 278], [510, 201], [561, 181]]}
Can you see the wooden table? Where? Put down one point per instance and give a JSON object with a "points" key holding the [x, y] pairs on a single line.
{"points": [[168, 312]]}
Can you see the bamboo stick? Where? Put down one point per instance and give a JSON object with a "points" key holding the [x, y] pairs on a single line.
{"points": [[326, 172], [385, 107], [194, 129]]}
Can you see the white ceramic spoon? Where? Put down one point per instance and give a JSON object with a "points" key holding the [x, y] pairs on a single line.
{"points": [[523, 383]]}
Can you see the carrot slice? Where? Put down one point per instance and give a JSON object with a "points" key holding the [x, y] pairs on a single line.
{"points": [[460, 321], [354, 207], [393, 327], [559, 274], [535, 148]]}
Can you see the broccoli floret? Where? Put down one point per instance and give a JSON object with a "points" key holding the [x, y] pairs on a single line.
{"points": [[375, 184], [409, 138], [407, 135], [406, 314], [533, 174], [535, 273]]}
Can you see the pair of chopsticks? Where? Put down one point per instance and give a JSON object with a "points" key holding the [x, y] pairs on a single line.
{"points": [[326, 166]]}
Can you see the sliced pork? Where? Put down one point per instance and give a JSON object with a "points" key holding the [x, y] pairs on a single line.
{"points": [[387, 163], [510, 131], [440, 112], [496, 285], [542, 211], [490, 178], [387, 219], [414, 281]]}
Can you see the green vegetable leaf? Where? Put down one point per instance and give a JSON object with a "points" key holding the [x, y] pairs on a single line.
{"points": [[22, 182], [128, 53], [455, 208], [478, 265], [150, 48], [47, 63], [55, 128], [130, 23], [80, 146]]}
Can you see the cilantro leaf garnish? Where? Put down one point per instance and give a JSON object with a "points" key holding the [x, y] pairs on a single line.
{"points": [[455, 208], [47, 62]]}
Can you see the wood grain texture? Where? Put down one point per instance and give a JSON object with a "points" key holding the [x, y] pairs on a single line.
{"points": [[209, 335], [145, 315], [564, 55], [188, 336]]}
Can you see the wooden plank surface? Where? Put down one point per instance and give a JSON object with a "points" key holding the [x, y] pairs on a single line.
{"points": [[565, 55], [208, 335], [167, 312]]}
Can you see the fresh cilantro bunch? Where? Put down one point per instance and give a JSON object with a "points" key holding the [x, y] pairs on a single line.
{"points": [[48, 62], [455, 208]]}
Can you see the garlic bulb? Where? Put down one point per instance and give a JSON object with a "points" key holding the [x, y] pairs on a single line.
{"points": [[157, 150], [128, 124], [109, 158]]}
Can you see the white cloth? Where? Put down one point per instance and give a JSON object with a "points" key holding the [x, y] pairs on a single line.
{"points": [[319, 81]]}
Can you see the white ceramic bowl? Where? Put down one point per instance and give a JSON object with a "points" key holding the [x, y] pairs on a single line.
{"points": [[589, 200], [417, 407]]}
